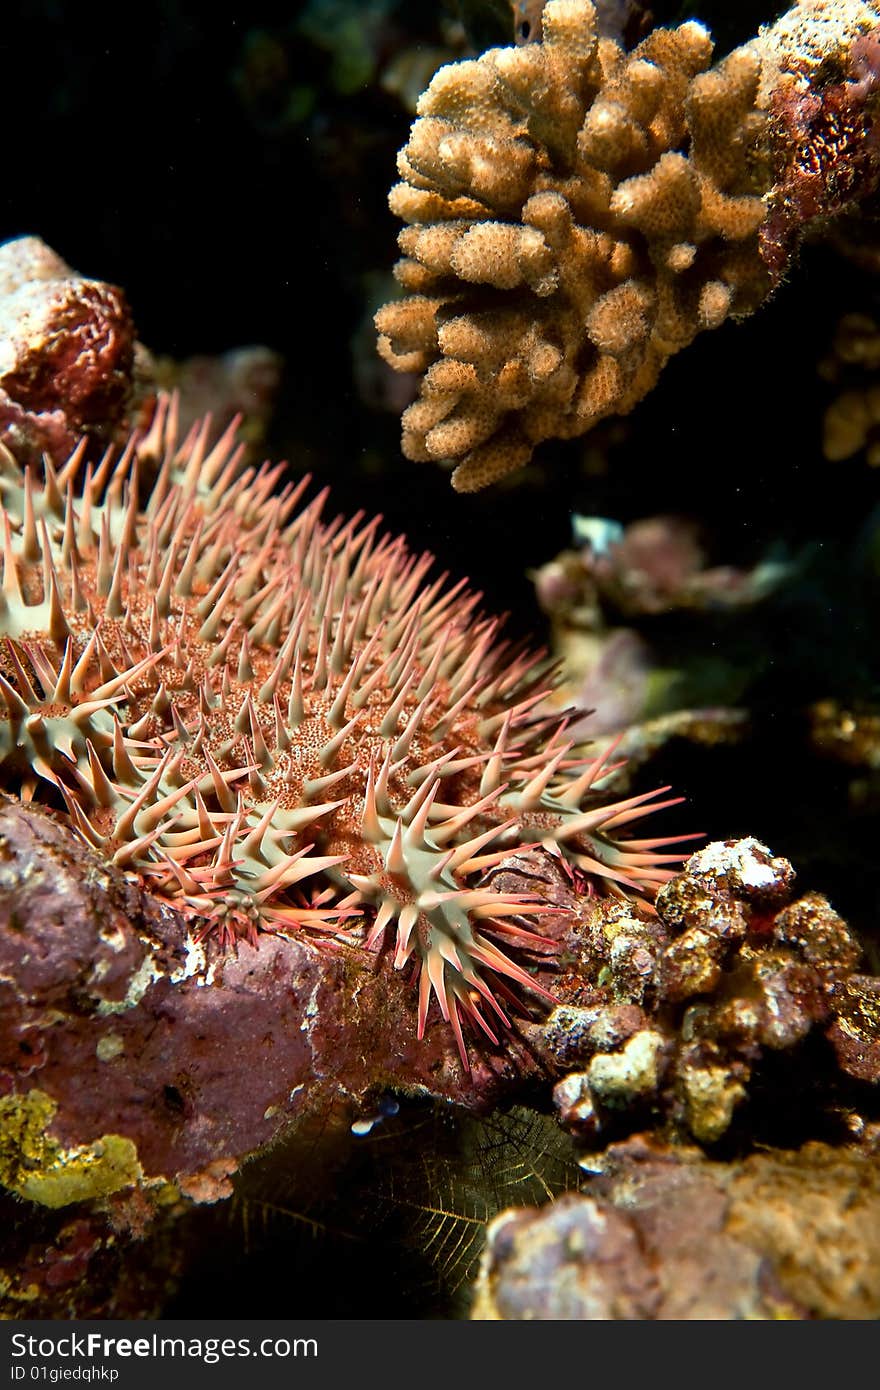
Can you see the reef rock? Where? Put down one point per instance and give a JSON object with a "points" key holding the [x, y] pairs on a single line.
{"points": [[674, 1018], [67, 354], [134, 1056], [664, 1234]]}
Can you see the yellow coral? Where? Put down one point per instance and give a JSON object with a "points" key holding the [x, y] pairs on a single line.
{"points": [[575, 215]]}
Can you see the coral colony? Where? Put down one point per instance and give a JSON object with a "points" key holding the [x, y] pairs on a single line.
{"points": [[577, 214], [281, 723]]}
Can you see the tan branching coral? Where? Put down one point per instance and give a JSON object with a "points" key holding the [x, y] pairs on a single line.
{"points": [[576, 215], [560, 245]]}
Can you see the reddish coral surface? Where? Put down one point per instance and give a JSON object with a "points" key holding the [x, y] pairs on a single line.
{"points": [[67, 348], [198, 1055]]}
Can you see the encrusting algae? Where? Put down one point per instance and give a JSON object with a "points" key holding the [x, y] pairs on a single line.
{"points": [[279, 723], [38, 1168]]}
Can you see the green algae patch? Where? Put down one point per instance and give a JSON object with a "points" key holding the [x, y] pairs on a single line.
{"points": [[37, 1167]]}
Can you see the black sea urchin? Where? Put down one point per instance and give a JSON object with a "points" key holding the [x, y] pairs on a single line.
{"points": [[279, 723]]}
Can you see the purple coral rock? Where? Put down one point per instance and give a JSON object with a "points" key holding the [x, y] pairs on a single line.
{"points": [[197, 1056]]}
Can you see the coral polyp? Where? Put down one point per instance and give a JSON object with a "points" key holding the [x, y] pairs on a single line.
{"points": [[283, 723]]}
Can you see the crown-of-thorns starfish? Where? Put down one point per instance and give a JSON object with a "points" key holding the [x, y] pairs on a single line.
{"points": [[280, 723]]}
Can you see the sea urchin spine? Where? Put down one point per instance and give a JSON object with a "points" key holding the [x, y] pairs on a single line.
{"points": [[279, 723]]}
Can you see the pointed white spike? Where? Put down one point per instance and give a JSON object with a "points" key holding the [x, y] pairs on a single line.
{"points": [[395, 859]]}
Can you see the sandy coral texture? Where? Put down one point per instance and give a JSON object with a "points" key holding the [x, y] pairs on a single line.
{"points": [[575, 215], [663, 1234]]}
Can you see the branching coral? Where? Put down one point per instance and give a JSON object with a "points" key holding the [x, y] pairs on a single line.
{"points": [[575, 215], [279, 724]]}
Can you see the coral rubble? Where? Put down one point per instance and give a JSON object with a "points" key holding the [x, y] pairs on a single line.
{"points": [[655, 565], [576, 214], [674, 1019]]}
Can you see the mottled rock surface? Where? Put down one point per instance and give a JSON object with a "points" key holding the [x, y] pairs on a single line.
{"points": [[89, 1263], [67, 354], [175, 1058], [674, 1019], [664, 1234]]}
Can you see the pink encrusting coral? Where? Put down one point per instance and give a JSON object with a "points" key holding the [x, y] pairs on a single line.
{"points": [[281, 723]]}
